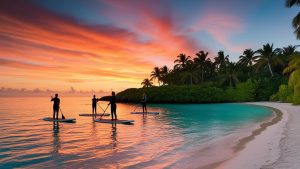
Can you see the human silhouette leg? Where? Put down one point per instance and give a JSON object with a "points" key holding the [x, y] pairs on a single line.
{"points": [[115, 112], [112, 112], [56, 113]]}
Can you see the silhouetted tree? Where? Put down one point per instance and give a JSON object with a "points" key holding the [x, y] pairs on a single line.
{"points": [[189, 74], [202, 63], [248, 58], [147, 83], [221, 60], [228, 75], [155, 74], [164, 72], [182, 60]]}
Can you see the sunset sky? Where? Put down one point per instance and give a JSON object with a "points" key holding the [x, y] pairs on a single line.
{"points": [[114, 44]]}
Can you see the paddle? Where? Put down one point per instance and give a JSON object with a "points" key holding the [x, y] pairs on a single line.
{"points": [[103, 112], [136, 107], [100, 107], [62, 115]]}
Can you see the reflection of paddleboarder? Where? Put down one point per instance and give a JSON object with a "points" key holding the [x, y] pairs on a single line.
{"points": [[94, 105], [113, 106], [56, 141], [114, 134], [56, 102]]}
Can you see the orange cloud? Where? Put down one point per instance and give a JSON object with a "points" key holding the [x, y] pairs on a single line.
{"points": [[40, 46], [36, 43]]}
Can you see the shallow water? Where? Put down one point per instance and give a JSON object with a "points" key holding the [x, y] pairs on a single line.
{"points": [[182, 136]]}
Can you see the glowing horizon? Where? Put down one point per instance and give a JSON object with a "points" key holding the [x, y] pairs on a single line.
{"points": [[113, 45]]}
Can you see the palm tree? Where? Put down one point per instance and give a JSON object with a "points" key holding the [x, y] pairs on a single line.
{"points": [[290, 3], [182, 60], [229, 75], [147, 83], [268, 57], [156, 74], [221, 60], [248, 57], [202, 62], [164, 72], [287, 53], [189, 73], [296, 20], [289, 50]]}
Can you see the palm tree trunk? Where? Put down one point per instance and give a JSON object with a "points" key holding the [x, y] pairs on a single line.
{"points": [[270, 69]]}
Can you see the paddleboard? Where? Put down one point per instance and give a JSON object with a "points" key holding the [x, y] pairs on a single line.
{"points": [[114, 121], [59, 119], [83, 114], [154, 113]]}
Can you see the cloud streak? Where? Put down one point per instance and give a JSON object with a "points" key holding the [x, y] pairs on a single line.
{"points": [[38, 43]]}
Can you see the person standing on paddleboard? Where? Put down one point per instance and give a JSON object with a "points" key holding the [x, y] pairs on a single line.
{"points": [[113, 106], [94, 105], [144, 102], [56, 102]]}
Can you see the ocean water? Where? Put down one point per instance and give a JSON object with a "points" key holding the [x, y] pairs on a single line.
{"points": [[182, 136]]}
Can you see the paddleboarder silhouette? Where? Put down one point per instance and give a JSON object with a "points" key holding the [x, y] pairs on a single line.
{"points": [[94, 105], [56, 102], [144, 102], [113, 106]]}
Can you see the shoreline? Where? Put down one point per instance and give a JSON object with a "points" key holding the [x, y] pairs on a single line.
{"points": [[245, 139], [277, 116], [263, 147]]}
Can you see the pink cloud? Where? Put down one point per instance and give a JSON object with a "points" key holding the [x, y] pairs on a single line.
{"points": [[222, 27]]}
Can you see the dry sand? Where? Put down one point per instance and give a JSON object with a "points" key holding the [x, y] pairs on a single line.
{"points": [[275, 147]]}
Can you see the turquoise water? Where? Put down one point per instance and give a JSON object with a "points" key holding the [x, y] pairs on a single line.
{"points": [[182, 136]]}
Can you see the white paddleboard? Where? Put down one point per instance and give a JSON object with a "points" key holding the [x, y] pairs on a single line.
{"points": [[154, 113], [114, 121], [83, 114], [59, 119]]}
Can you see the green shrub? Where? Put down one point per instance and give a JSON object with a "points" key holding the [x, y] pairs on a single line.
{"points": [[296, 98], [190, 94], [266, 87], [285, 93], [274, 97]]}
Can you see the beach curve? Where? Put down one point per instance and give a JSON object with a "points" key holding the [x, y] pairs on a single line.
{"points": [[266, 147]]}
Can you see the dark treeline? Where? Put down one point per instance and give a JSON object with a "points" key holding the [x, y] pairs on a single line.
{"points": [[257, 76], [264, 63]]}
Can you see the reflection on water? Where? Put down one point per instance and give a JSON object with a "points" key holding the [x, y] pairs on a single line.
{"points": [[56, 143], [182, 136], [114, 135]]}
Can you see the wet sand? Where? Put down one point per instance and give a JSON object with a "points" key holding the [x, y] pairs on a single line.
{"points": [[275, 145]]}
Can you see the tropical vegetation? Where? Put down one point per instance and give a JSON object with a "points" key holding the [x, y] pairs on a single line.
{"points": [[258, 75]]}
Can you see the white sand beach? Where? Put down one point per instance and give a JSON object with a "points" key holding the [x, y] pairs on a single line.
{"points": [[277, 147]]}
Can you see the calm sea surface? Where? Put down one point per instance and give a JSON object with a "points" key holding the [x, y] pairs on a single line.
{"points": [[182, 136]]}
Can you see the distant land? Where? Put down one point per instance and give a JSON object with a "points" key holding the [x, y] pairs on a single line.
{"points": [[23, 92]]}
